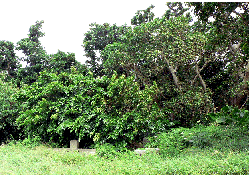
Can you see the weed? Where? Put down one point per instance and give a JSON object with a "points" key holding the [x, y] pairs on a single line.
{"points": [[227, 153]]}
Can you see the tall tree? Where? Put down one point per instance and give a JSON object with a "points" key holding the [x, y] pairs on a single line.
{"points": [[62, 62], [143, 16], [228, 45], [97, 39], [38, 60], [168, 52], [36, 56], [8, 59]]}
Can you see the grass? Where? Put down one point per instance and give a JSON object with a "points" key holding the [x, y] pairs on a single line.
{"points": [[19, 159]]}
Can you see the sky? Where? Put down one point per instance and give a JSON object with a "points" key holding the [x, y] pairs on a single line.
{"points": [[66, 21]]}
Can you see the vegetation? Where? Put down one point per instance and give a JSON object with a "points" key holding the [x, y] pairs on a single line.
{"points": [[225, 151], [66, 106], [183, 86], [8, 111]]}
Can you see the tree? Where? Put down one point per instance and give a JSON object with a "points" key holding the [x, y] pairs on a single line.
{"points": [[38, 60], [36, 56], [63, 62], [228, 44], [143, 16], [8, 59], [31, 46], [8, 111], [97, 39], [167, 51]]}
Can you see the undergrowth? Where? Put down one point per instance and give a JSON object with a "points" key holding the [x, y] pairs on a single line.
{"points": [[214, 149]]}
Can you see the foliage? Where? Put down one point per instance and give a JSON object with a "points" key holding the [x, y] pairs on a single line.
{"points": [[154, 48], [171, 143], [38, 60], [106, 150], [168, 52], [97, 39], [8, 58], [221, 137], [143, 16], [230, 24], [143, 80], [175, 9], [8, 111], [175, 54], [231, 115], [35, 54], [62, 62], [228, 45], [189, 108], [65, 106], [30, 142], [19, 159]]}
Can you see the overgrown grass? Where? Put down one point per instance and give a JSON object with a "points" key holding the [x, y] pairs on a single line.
{"points": [[19, 159]]}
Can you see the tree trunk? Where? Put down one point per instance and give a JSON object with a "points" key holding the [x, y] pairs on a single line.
{"points": [[244, 90], [173, 72], [202, 81]]}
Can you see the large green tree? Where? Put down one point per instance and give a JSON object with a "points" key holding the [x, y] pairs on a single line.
{"points": [[8, 59], [35, 55], [228, 45], [38, 60], [97, 39], [63, 62], [168, 51]]}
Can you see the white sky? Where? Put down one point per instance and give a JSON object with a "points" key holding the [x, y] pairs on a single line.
{"points": [[66, 21]]}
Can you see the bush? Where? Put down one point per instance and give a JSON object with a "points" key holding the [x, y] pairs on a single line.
{"points": [[188, 107], [65, 106], [107, 150], [220, 136], [8, 111], [231, 115], [213, 136], [170, 143]]}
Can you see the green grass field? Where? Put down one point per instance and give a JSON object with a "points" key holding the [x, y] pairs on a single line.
{"points": [[19, 159]]}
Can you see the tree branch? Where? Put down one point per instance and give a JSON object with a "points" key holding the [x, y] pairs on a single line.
{"points": [[202, 81], [173, 71], [198, 73]]}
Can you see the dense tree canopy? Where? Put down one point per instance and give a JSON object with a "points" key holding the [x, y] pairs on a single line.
{"points": [[139, 79], [38, 60], [228, 45], [97, 39], [8, 59]]}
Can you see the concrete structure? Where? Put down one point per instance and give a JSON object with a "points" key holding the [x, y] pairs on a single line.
{"points": [[74, 146], [143, 151]]}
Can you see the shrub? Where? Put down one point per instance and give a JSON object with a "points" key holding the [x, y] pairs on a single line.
{"points": [[189, 107], [106, 150], [65, 106], [8, 111], [213, 136], [170, 143], [231, 115], [220, 136]]}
